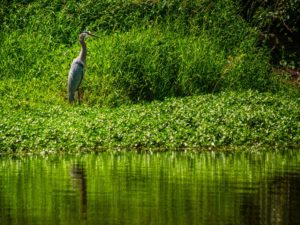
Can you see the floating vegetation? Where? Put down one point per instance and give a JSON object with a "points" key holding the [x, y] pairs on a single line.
{"points": [[246, 120]]}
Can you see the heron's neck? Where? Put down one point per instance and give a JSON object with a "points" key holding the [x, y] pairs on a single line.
{"points": [[83, 52]]}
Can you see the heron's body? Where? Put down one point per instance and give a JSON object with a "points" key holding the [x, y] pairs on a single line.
{"points": [[76, 72]]}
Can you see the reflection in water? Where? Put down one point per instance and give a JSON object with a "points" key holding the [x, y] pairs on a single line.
{"points": [[276, 202], [79, 177], [144, 189]]}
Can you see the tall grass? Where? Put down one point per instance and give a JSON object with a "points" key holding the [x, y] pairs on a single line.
{"points": [[150, 64], [148, 50]]}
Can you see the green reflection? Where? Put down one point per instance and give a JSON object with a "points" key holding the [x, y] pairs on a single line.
{"points": [[143, 188]]}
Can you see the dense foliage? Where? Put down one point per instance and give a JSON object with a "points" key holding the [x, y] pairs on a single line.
{"points": [[250, 120], [278, 22], [147, 51]]}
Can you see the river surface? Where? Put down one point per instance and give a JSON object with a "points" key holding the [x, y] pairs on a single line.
{"points": [[152, 188]]}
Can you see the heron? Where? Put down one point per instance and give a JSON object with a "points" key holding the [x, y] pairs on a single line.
{"points": [[77, 68]]}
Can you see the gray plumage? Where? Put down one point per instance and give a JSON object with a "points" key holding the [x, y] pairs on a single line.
{"points": [[76, 72], [75, 78]]}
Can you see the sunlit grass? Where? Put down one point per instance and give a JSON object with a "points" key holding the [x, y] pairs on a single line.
{"points": [[157, 50], [160, 55]]}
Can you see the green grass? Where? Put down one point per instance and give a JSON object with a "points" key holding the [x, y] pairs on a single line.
{"points": [[147, 50], [140, 65], [160, 55]]}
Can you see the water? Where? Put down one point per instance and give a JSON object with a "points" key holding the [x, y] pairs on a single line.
{"points": [[159, 188]]}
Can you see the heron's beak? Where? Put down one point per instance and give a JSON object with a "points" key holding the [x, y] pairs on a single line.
{"points": [[93, 35]]}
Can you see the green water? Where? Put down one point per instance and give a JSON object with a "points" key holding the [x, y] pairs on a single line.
{"points": [[159, 188]]}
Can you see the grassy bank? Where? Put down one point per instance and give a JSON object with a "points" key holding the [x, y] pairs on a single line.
{"points": [[163, 74], [147, 50]]}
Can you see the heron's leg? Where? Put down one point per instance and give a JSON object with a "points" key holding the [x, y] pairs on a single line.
{"points": [[78, 92]]}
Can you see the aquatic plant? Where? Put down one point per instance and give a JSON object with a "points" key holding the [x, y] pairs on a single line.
{"points": [[225, 120]]}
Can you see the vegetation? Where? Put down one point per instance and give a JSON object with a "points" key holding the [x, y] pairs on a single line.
{"points": [[277, 21], [225, 120], [181, 61]]}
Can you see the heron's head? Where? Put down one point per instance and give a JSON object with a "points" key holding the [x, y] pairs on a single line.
{"points": [[85, 34]]}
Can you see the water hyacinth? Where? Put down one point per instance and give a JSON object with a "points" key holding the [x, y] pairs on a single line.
{"points": [[212, 121]]}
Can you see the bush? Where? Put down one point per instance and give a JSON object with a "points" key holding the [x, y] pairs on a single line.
{"points": [[148, 49], [278, 23], [148, 64]]}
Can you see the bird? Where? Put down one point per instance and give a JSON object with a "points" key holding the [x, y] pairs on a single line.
{"points": [[76, 71]]}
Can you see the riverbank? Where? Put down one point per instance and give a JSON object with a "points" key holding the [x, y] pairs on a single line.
{"points": [[231, 120], [162, 75]]}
